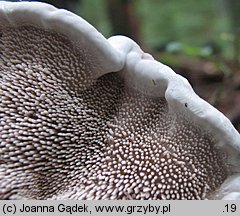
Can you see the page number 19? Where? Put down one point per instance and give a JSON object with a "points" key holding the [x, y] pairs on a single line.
{"points": [[230, 208]]}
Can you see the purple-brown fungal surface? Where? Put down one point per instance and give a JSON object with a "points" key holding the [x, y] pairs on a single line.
{"points": [[83, 117]]}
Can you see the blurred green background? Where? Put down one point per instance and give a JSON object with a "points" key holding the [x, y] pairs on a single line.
{"points": [[192, 27], [199, 39]]}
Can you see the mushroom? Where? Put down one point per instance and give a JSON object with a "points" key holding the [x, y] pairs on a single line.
{"points": [[83, 117]]}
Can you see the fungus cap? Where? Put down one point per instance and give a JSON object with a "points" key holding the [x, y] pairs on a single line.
{"points": [[83, 117]]}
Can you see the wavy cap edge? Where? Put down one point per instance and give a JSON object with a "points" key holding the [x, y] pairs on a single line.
{"points": [[73, 27], [155, 79], [143, 72]]}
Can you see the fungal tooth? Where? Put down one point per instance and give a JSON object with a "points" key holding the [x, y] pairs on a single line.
{"points": [[83, 117]]}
